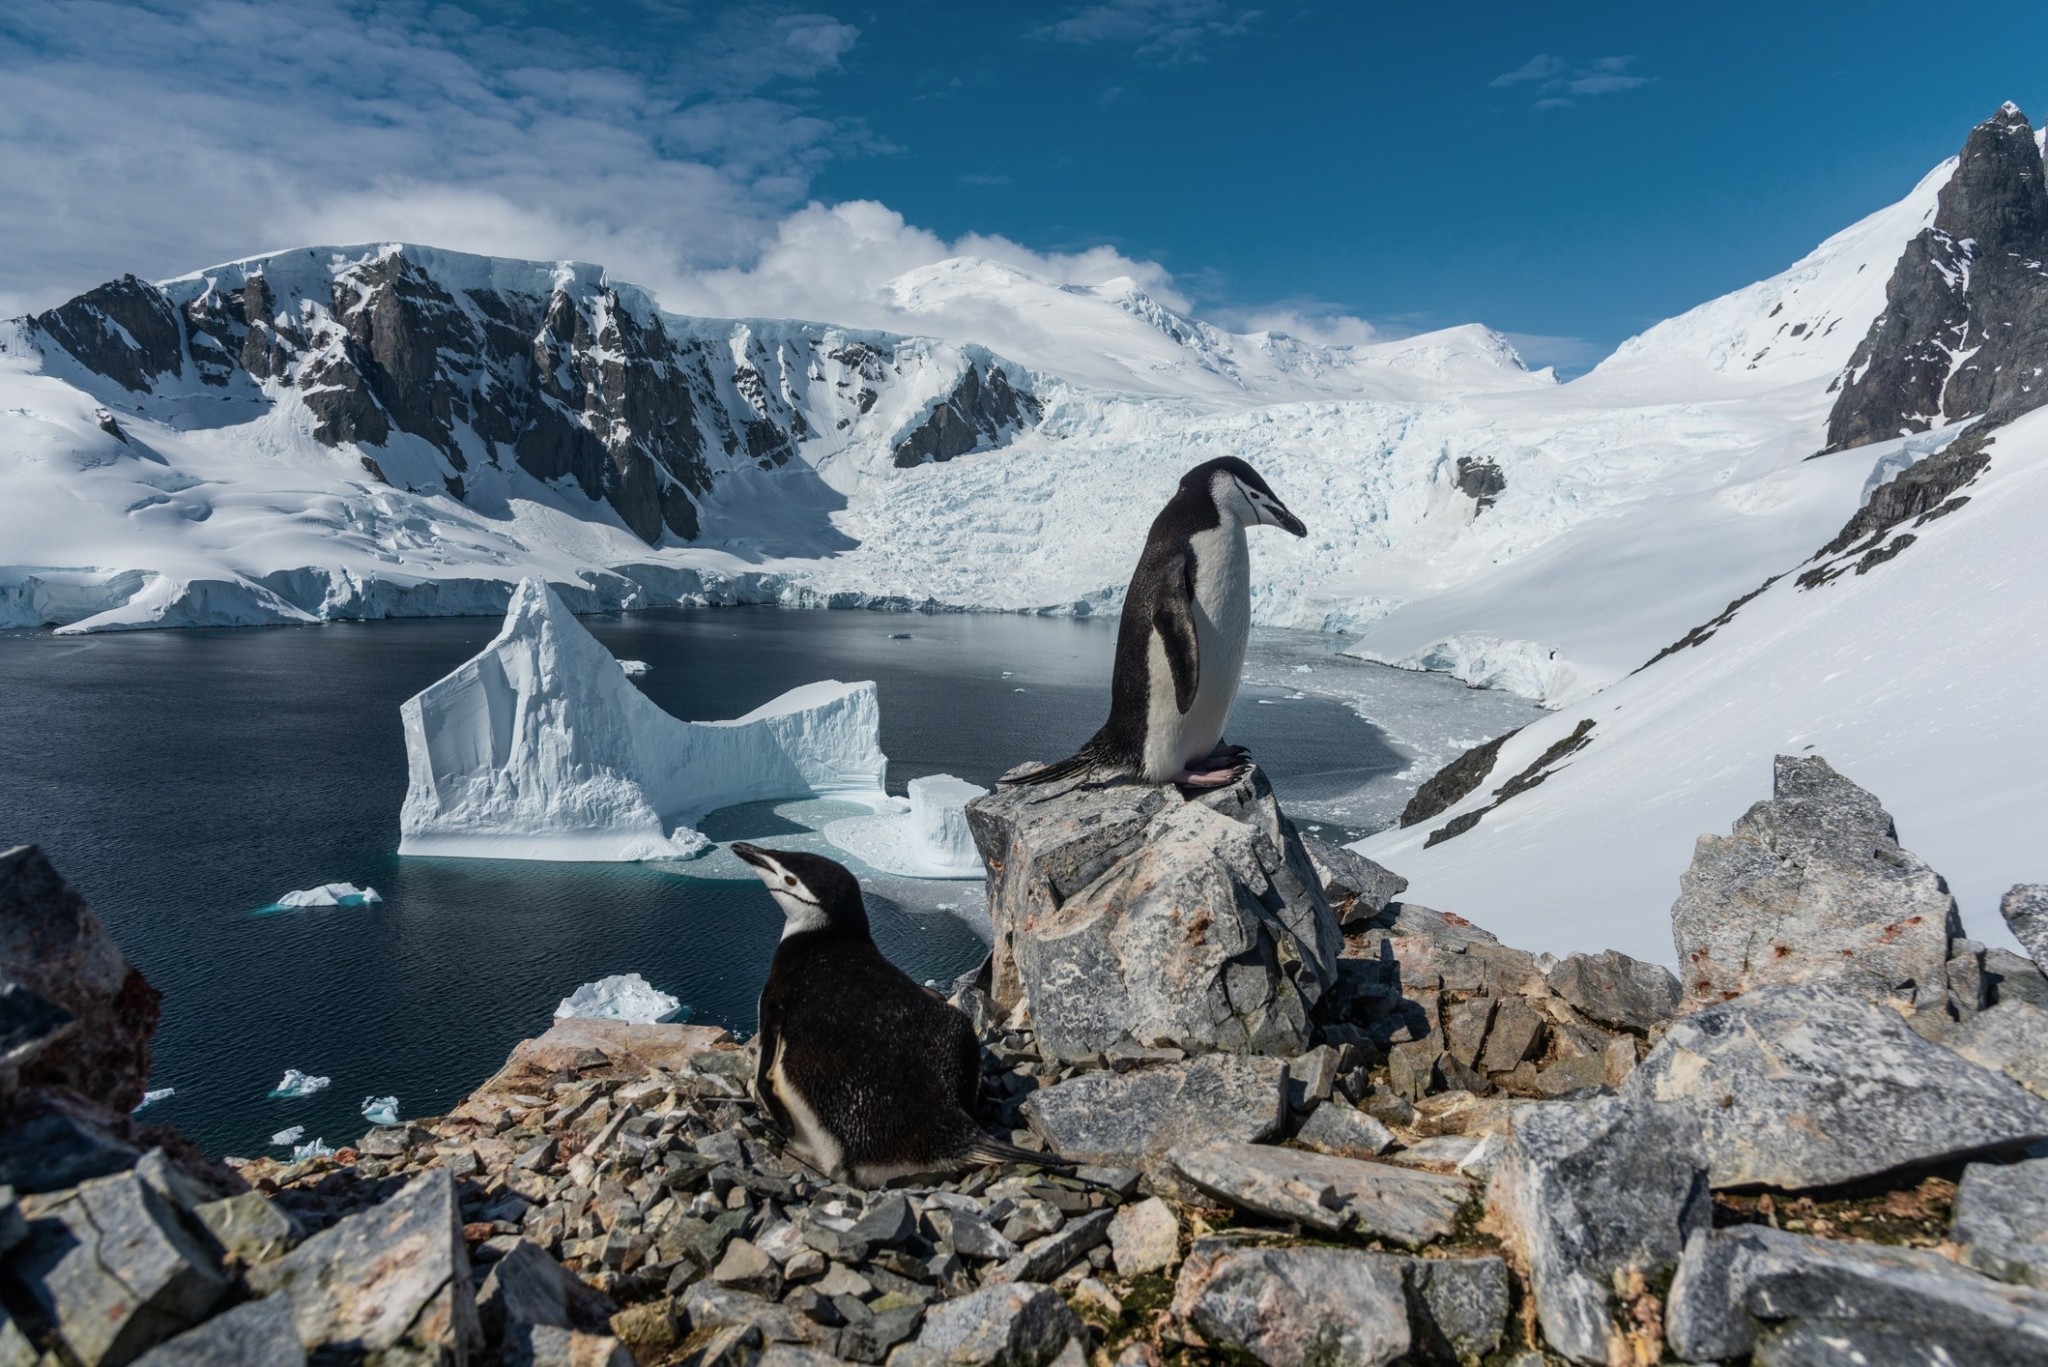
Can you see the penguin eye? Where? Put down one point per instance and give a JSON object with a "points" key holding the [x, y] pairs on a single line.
{"points": [[789, 879]]}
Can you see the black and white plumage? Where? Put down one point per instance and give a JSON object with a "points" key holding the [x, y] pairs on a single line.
{"points": [[869, 1075], [1180, 646]]}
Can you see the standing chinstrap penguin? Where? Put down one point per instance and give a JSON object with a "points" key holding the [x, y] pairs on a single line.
{"points": [[869, 1075], [1180, 646]]}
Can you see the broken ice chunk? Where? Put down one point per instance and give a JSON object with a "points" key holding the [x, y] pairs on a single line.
{"points": [[288, 1136], [326, 895], [621, 997], [926, 837], [151, 1098], [296, 1083], [317, 1149], [380, 1110], [636, 666]]}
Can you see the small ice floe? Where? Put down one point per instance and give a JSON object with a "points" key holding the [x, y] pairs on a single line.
{"points": [[380, 1110], [1304, 669], [296, 1083], [636, 666], [1269, 702], [317, 1149], [621, 997], [326, 895], [899, 635], [1016, 690], [151, 1098], [285, 1138], [924, 837]]}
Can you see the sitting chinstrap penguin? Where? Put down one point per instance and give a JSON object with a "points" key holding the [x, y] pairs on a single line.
{"points": [[1180, 646], [870, 1076]]}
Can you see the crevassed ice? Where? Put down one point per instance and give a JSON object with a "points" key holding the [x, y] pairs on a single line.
{"points": [[538, 748], [621, 997]]}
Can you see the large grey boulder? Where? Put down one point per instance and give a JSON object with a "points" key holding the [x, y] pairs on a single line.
{"points": [[1326, 1193], [1358, 887], [1131, 1119], [1593, 1195], [254, 1334], [52, 945], [2025, 909], [2011, 1037], [1011, 1325], [113, 1266], [1731, 1281], [2001, 1221], [1823, 1342], [1616, 990], [1125, 913], [395, 1274], [1800, 1087], [1813, 887], [1296, 1307]]}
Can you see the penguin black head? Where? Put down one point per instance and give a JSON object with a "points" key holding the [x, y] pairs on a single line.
{"points": [[815, 893], [1241, 492]]}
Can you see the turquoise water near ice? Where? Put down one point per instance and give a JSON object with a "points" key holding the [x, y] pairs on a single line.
{"points": [[184, 779]]}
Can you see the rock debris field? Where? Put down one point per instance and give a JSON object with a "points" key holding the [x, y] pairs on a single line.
{"points": [[1308, 1123]]}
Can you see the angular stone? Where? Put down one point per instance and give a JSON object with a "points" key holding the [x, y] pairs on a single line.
{"points": [[1804, 1086], [2025, 909], [1349, 1133], [1144, 1237], [1516, 1035], [1013, 1325], [249, 1227], [973, 1237], [746, 1268], [707, 1307], [1350, 880], [527, 1287], [254, 1334], [1592, 1192], [886, 1223], [1372, 1200], [1052, 1255], [1465, 1025], [53, 1140], [1126, 914], [53, 945], [1132, 1119], [1889, 1343], [1732, 1279], [1311, 1077], [2013, 977], [28, 1026], [1411, 1067], [1295, 1307], [1457, 1307], [2011, 1037], [1616, 990], [113, 1266], [1813, 887], [397, 1273], [2001, 1221]]}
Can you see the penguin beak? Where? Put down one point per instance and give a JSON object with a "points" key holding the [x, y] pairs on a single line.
{"points": [[752, 855], [1286, 521]]}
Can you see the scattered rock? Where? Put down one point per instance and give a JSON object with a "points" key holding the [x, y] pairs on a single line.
{"points": [[2001, 1221], [250, 1227], [2013, 977], [112, 1266], [254, 1334], [397, 1273], [1457, 1307], [551, 1346], [1132, 1119], [1126, 914], [1351, 882], [1616, 990], [2011, 1037], [1803, 1087], [1144, 1237], [1732, 1279], [1342, 1130], [1321, 1192], [1813, 887], [1048, 1257], [1592, 1194], [1013, 1325], [1295, 1307], [2025, 909]]}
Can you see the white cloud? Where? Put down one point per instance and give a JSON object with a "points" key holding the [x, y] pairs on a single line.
{"points": [[1537, 68], [1312, 321], [1559, 83], [1156, 30]]}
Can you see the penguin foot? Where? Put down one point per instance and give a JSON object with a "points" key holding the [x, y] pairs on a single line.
{"points": [[1227, 752], [1211, 778]]}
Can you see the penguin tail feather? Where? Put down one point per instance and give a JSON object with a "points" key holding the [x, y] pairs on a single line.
{"points": [[984, 1148], [1078, 763]]}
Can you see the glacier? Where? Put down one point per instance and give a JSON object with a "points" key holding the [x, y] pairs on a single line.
{"points": [[326, 895], [296, 1083], [539, 748], [923, 836], [621, 997]]}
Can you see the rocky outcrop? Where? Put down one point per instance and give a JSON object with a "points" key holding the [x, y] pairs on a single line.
{"points": [[978, 412], [1452, 783], [1481, 481], [1964, 331], [1813, 887], [1126, 914]]}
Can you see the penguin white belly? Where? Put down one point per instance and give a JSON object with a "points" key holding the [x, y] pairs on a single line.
{"points": [[816, 1144], [1223, 619]]}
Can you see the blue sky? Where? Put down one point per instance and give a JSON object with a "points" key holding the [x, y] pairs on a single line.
{"points": [[1568, 174]]}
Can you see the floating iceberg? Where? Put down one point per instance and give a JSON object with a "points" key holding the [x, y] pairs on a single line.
{"points": [[621, 997], [317, 1149], [636, 666], [296, 1083], [326, 895], [380, 1110], [538, 748], [151, 1098], [287, 1137], [925, 837]]}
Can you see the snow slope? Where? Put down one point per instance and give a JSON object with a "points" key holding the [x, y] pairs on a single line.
{"points": [[538, 748], [1921, 680]]}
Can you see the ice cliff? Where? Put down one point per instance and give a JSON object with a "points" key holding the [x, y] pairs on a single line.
{"points": [[539, 748]]}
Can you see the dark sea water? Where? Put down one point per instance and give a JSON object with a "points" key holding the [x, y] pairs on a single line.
{"points": [[183, 779]]}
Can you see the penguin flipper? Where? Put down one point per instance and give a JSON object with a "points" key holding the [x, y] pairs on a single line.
{"points": [[1174, 620], [1078, 763], [983, 1148], [767, 1042]]}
